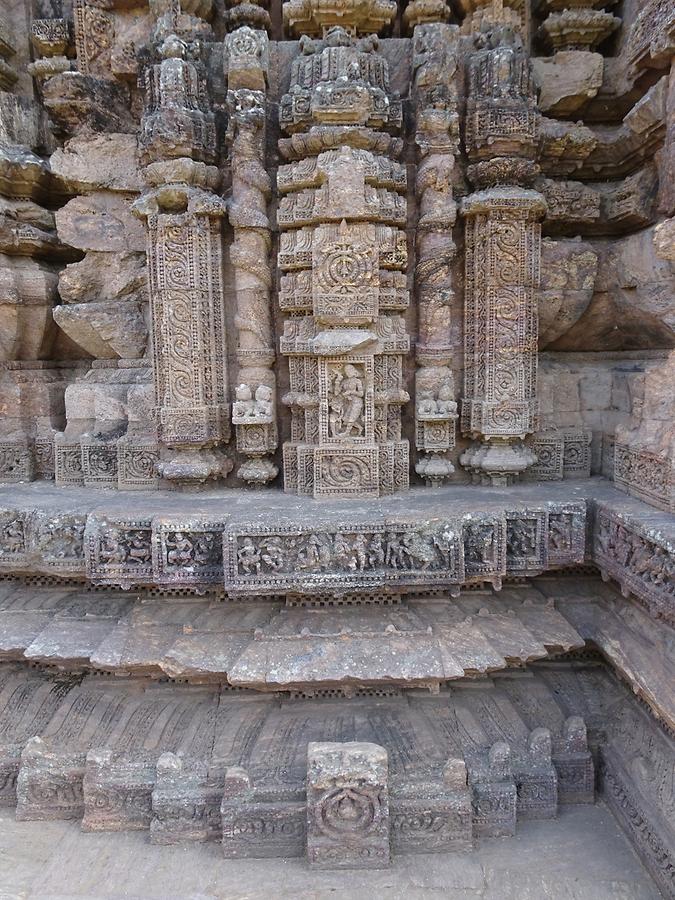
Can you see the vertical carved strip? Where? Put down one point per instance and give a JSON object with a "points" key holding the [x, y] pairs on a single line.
{"points": [[343, 255], [184, 249], [503, 252], [434, 53], [94, 35], [254, 410]]}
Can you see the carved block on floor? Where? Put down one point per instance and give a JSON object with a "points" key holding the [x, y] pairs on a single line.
{"points": [[433, 816], [536, 779], [49, 785], [117, 791], [494, 793], [574, 764], [260, 827], [185, 801], [347, 806]]}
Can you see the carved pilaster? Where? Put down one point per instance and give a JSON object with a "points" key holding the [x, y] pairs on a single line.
{"points": [[184, 250], [254, 409], [8, 76], [94, 37], [343, 255], [503, 251], [435, 60]]}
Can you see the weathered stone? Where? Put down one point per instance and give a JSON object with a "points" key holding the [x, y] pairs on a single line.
{"points": [[223, 250], [103, 276], [568, 80], [27, 294], [99, 162], [569, 269], [105, 330], [347, 806], [78, 103], [100, 221]]}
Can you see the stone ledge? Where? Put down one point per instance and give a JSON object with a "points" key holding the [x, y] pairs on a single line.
{"points": [[276, 544]]}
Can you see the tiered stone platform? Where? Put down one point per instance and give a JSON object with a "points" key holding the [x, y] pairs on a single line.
{"points": [[250, 543], [197, 763]]}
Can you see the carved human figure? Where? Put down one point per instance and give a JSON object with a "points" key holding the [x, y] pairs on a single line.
{"points": [[360, 549], [478, 544], [138, 551], [343, 551], [311, 555], [244, 405], [180, 549], [249, 557], [273, 554], [376, 551], [559, 534], [13, 537], [205, 550], [263, 401], [522, 538], [393, 555], [349, 393]]}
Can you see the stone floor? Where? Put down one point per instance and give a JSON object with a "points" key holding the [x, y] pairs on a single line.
{"points": [[582, 855]]}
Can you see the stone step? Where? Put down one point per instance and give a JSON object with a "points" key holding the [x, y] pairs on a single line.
{"points": [[266, 646], [206, 763]]}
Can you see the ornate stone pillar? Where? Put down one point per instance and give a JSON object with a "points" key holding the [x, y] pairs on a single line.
{"points": [[435, 61], [503, 250], [185, 267], [254, 409], [343, 255]]}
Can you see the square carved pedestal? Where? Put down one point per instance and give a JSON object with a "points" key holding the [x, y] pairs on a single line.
{"points": [[347, 806]]}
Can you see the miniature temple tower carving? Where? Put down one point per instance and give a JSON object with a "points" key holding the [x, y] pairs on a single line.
{"points": [[503, 251], [342, 257], [184, 250]]}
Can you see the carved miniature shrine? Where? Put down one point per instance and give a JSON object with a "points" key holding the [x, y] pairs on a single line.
{"points": [[336, 433]]}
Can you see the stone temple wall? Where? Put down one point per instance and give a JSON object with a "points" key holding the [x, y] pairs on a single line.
{"points": [[337, 403]]}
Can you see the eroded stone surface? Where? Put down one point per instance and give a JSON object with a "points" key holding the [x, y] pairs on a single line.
{"points": [[285, 392]]}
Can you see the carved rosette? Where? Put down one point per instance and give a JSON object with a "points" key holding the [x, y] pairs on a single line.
{"points": [[502, 261], [254, 409], [347, 805], [435, 55], [342, 213]]}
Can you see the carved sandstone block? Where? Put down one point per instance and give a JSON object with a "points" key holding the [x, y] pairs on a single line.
{"points": [[347, 806]]}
